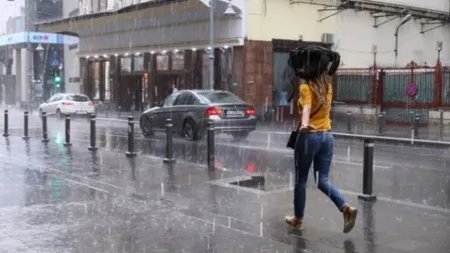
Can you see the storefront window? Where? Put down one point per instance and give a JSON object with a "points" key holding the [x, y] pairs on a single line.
{"points": [[107, 81], [178, 61], [138, 63], [162, 62], [205, 72], [282, 79], [96, 81], [226, 69], [125, 64]]}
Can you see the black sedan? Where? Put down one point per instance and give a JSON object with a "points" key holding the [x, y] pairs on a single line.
{"points": [[190, 111]]}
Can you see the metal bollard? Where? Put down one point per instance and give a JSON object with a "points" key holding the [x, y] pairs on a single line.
{"points": [[380, 123], [367, 194], [44, 128], [130, 152], [67, 130], [25, 126], [349, 121], [416, 125], [210, 148], [441, 124], [5, 130], [169, 142], [92, 146]]}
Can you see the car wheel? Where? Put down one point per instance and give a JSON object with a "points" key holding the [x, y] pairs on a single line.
{"points": [[240, 135], [146, 126], [190, 130]]}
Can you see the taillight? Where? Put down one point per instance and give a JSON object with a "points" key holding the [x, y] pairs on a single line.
{"points": [[213, 111], [90, 104], [67, 103], [251, 111]]}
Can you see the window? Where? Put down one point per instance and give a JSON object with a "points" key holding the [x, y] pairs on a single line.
{"points": [[219, 97], [138, 63], [162, 62], [107, 81], [170, 100], [282, 79], [125, 64], [178, 61], [77, 98], [186, 98], [96, 80]]}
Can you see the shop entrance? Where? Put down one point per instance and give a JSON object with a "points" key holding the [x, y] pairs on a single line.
{"points": [[130, 93], [164, 85]]}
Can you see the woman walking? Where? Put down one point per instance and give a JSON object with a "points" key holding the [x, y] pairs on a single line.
{"points": [[314, 141]]}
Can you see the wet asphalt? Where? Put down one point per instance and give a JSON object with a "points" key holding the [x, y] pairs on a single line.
{"points": [[68, 199]]}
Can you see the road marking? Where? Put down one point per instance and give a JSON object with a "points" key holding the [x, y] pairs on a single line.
{"points": [[86, 185]]}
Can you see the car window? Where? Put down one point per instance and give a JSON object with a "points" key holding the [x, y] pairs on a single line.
{"points": [[170, 100], [55, 98], [186, 98], [77, 98], [219, 97], [52, 98]]}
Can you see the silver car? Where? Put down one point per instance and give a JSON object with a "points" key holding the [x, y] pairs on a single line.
{"points": [[190, 111]]}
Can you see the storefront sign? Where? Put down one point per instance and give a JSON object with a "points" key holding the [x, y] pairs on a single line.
{"points": [[37, 37], [45, 38]]}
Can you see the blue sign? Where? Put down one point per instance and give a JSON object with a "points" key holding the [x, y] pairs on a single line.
{"points": [[46, 38], [37, 37], [54, 60]]}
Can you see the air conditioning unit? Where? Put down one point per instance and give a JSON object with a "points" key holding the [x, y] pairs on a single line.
{"points": [[328, 38]]}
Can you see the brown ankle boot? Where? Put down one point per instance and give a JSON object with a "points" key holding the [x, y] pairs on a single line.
{"points": [[294, 222], [350, 214]]}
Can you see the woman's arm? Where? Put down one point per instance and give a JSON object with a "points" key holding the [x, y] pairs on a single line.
{"points": [[305, 115], [305, 100]]}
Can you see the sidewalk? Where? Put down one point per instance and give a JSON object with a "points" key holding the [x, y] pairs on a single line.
{"points": [[185, 208]]}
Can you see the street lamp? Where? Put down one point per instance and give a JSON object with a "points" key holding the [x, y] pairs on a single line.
{"points": [[228, 12], [404, 20]]}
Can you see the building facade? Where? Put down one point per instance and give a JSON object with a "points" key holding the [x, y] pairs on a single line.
{"points": [[132, 49]]}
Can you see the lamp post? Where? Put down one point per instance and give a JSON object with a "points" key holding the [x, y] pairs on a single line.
{"points": [[404, 20], [439, 49], [228, 12]]}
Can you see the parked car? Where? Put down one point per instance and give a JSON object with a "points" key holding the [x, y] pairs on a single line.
{"points": [[190, 111], [67, 103]]}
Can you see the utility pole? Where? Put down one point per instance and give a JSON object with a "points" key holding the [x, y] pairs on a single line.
{"points": [[211, 44], [29, 24]]}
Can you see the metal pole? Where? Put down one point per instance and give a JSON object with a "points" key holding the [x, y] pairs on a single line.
{"points": [[210, 148], [380, 123], [169, 142], [92, 146], [25, 126], [130, 152], [416, 125], [349, 121], [29, 14], [441, 124], [67, 141], [5, 130], [367, 194], [211, 43], [44, 128]]}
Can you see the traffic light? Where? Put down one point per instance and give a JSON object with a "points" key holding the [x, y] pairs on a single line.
{"points": [[57, 77]]}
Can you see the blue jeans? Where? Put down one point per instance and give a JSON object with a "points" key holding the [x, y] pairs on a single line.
{"points": [[318, 148]]}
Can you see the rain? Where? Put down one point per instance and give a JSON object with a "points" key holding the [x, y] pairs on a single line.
{"points": [[162, 126]]}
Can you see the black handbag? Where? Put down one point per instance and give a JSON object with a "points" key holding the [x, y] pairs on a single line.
{"points": [[294, 134]]}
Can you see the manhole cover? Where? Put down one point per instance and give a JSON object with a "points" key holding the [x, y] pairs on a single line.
{"points": [[255, 182]]}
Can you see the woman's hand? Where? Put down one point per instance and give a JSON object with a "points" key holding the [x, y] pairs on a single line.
{"points": [[305, 128]]}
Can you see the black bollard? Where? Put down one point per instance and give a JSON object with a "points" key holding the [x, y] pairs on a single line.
{"points": [[380, 123], [67, 141], [349, 121], [367, 194], [416, 125], [5, 130], [92, 146], [210, 148], [169, 142], [44, 128], [130, 152], [441, 124], [25, 126]]}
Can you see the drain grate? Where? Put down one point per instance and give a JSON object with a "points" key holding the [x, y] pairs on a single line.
{"points": [[255, 182]]}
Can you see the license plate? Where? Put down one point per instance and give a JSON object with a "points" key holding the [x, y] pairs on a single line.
{"points": [[235, 113]]}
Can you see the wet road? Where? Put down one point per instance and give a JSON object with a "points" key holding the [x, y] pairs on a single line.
{"points": [[59, 199]]}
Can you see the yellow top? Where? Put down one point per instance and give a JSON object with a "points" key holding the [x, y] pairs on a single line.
{"points": [[321, 120]]}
